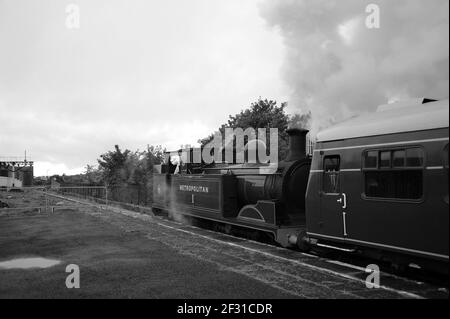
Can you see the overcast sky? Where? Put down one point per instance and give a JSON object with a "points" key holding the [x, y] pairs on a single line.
{"points": [[169, 72]]}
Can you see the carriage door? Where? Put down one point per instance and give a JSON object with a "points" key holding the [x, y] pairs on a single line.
{"points": [[332, 198]]}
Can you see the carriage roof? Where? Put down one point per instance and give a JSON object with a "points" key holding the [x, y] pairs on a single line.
{"points": [[391, 119]]}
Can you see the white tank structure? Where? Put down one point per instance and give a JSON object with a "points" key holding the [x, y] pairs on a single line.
{"points": [[15, 172], [9, 182]]}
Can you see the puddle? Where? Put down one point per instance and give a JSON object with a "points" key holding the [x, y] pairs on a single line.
{"points": [[26, 263]]}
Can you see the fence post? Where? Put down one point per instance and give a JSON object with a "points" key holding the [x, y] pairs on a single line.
{"points": [[106, 195], [46, 201]]}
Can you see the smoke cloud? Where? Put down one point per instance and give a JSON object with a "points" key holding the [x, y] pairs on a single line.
{"points": [[336, 67]]}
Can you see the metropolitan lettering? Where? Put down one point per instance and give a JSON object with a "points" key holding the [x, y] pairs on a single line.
{"points": [[193, 188]]}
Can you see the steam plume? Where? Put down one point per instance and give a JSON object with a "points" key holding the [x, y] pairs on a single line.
{"points": [[336, 67]]}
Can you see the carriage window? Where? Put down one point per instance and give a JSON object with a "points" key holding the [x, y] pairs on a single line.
{"points": [[414, 157], [398, 158], [385, 159], [371, 159], [399, 174], [404, 184], [331, 163], [331, 168]]}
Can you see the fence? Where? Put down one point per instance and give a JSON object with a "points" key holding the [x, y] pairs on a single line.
{"points": [[33, 200], [98, 194], [49, 199]]}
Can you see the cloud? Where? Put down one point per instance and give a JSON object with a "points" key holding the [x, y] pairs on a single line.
{"points": [[136, 72], [43, 168], [348, 29], [337, 67]]}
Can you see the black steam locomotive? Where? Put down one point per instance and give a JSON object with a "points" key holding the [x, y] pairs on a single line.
{"points": [[376, 184], [246, 195]]}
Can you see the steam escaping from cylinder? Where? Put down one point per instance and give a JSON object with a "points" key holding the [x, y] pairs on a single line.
{"points": [[297, 144], [174, 210]]}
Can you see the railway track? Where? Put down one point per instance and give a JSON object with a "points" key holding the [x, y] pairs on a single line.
{"points": [[300, 274]]}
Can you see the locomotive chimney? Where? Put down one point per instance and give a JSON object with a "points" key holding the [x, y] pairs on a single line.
{"points": [[297, 144]]}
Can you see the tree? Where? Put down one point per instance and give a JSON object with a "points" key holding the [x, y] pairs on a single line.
{"points": [[265, 114], [92, 175], [261, 114], [154, 156], [131, 173], [112, 165]]}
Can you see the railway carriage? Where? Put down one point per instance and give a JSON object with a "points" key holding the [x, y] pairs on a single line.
{"points": [[381, 181]]}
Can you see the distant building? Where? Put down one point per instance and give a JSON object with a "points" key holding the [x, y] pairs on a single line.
{"points": [[16, 173]]}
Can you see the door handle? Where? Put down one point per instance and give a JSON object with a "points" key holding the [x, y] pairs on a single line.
{"points": [[343, 201]]}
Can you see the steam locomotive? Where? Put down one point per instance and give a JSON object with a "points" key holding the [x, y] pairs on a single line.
{"points": [[376, 185]]}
